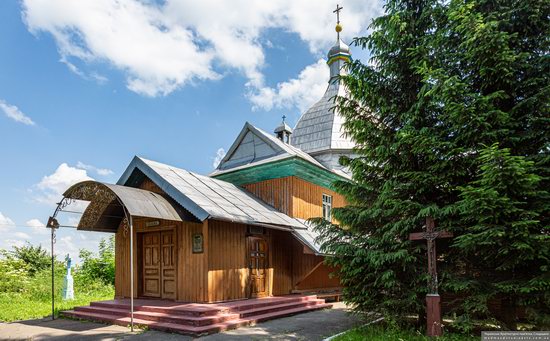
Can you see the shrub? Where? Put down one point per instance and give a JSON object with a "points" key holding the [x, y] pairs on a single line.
{"points": [[35, 257], [101, 267]]}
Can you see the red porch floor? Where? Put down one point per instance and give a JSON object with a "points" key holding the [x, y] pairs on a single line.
{"points": [[196, 318]]}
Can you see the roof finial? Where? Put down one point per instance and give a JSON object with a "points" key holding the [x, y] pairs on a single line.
{"points": [[338, 26], [284, 117]]}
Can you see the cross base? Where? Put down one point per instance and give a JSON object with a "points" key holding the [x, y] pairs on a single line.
{"points": [[433, 311]]}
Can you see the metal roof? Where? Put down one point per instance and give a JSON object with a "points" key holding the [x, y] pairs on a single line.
{"points": [[253, 147], [208, 198], [104, 213], [320, 127], [308, 237]]}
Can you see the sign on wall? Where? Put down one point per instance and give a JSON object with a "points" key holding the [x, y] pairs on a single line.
{"points": [[198, 243]]}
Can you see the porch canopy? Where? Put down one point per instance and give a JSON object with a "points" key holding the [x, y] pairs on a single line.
{"points": [[109, 202]]}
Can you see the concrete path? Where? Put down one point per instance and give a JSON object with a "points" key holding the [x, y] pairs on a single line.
{"points": [[309, 326]]}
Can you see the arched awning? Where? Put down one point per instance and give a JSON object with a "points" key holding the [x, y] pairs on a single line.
{"points": [[108, 203]]}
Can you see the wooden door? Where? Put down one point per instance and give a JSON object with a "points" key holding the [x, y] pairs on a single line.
{"points": [[159, 264], [168, 245], [151, 265], [257, 263]]}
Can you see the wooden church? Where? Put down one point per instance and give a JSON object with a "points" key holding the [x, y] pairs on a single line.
{"points": [[239, 232]]}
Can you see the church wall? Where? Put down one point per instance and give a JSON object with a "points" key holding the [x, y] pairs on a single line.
{"points": [[193, 267], [296, 197], [281, 261], [307, 199], [122, 253], [227, 265], [309, 271], [228, 269], [274, 192], [293, 267], [220, 272]]}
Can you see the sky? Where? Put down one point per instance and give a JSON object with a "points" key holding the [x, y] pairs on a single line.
{"points": [[86, 85]]}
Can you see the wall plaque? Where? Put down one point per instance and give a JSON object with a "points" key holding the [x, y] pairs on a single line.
{"points": [[198, 243], [152, 223]]}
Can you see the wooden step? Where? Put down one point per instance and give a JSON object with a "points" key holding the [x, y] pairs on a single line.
{"points": [[192, 329]]}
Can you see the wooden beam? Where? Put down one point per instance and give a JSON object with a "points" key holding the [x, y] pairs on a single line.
{"points": [[309, 273]]}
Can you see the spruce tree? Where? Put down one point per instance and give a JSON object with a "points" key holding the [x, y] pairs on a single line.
{"points": [[451, 120]]}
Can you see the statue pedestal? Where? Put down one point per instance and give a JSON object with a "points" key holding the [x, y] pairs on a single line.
{"points": [[433, 310], [68, 287]]}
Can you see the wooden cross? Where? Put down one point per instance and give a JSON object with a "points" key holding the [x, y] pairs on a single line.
{"points": [[337, 11], [433, 309]]}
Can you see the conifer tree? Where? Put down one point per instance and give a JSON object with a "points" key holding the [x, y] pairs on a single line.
{"points": [[451, 120]]}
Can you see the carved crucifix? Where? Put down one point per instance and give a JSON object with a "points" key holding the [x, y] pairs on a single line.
{"points": [[433, 309]]}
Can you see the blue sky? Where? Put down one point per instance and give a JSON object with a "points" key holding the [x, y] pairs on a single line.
{"points": [[85, 86]]}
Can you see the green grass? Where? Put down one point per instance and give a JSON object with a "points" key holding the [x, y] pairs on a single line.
{"points": [[34, 300], [381, 333]]}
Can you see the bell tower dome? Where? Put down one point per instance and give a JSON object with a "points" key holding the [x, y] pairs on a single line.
{"points": [[319, 130]]}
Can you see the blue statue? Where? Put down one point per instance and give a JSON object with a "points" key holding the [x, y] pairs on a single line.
{"points": [[68, 289]]}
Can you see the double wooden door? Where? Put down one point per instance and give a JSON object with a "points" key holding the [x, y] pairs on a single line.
{"points": [[159, 264], [257, 264]]}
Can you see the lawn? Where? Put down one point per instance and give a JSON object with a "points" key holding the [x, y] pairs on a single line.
{"points": [[34, 301], [382, 333]]}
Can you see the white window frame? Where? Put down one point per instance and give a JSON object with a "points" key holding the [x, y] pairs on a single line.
{"points": [[327, 207]]}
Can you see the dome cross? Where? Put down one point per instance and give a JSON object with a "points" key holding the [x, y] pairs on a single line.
{"points": [[338, 26]]}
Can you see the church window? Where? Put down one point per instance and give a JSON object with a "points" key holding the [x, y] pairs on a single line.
{"points": [[327, 207]]}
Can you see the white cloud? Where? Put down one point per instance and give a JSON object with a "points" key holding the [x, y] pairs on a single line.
{"points": [[162, 46], [37, 226], [22, 235], [299, 92], [87, 76], [50, 189], [14, 242], [132, 35], [15, 114], [99, 171], [220, 153], [66, 244], [5, 223], [11, 236]]}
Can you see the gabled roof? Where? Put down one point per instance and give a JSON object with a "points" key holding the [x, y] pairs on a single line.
{"points": [[254, 146], [205, 197]]}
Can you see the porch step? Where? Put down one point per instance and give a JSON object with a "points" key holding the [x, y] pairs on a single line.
{"points": [[200, 310], [186, 309], [244, 305], [243, 311], [279, 307], [161, 317], [189, 329]]}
